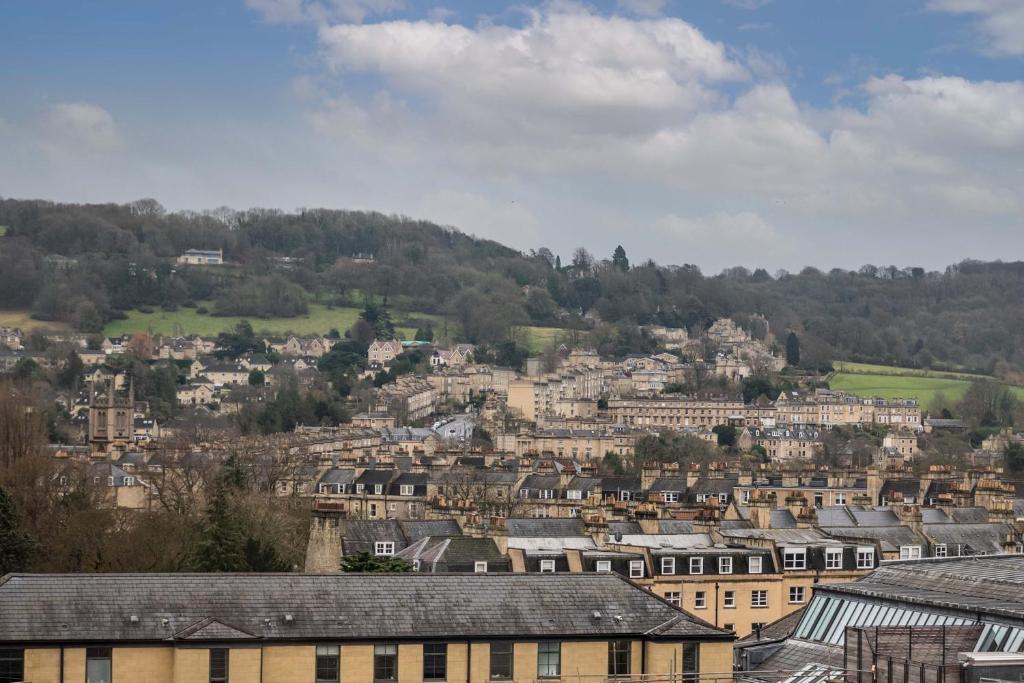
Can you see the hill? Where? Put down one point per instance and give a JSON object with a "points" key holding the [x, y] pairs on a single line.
{"points": [[92, 266]]}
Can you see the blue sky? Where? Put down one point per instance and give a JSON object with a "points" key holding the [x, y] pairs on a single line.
{"points": [[780, 133]]}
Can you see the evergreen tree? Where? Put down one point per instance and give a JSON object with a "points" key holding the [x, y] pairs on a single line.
{"points": [[222, 546], [619, 259], [16, 546], [367, 563], [262, 557], [792, 350]]}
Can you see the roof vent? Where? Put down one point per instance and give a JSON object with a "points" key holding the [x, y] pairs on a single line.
{"points": [[133, 619], [165, 622], [618, 617], [288, 618], [596, 614]]}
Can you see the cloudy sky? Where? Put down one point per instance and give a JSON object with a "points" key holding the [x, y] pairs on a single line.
{"points": [[776, 133]]}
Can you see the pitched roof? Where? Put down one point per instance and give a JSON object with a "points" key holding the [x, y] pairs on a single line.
{"points": [[551, 528], [79, 607]]}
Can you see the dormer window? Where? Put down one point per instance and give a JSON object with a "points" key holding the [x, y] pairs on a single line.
{"points": [[110, 481], [405, 490], [524, 493], [725, 565], [384, 548], [547, 494], [794, 558], [696, 565], [574, 494], [360, 488], [623, 495], [604, 566], [378, 489], [668, 565], [129, 481]]}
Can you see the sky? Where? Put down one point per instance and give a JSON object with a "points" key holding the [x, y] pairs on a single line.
{"points": [[761, 133]]}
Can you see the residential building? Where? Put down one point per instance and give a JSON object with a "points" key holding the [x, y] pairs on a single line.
{"points": [[202, 257]]}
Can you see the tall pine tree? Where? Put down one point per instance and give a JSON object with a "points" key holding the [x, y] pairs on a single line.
{"points": [[16, 546]]}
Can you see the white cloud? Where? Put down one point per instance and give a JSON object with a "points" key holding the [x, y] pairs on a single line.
{"points": [[507, 220], [642, 8], [724, 238], [1000, 22], [80, 128]]}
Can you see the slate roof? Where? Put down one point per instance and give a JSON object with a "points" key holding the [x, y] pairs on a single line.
{"points": [[777, 630], [675, 526], [972, 538], [910, 488], [339, 607], [551, 528], [782, 518], [713, 486], [372, 477], [546, 482], [338, 475], [668, 484], [415, 529], [624, 528]]}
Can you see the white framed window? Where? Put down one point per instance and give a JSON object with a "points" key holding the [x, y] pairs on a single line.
{"points": [[702, 497], [796, 595], [359, 487], [910, 552], [623, 495], [405, 490], [696, 565], [700, 600], [865, 558], [480, 567], [940, 550], [129, 481], [547, 494], [723, 498], [840, 499], [759, 598], [674, 598], [574, 494], [110, 481], [729, 599], [393, 507], [668, 565], [384, 548], [636, 569], [524, 493], [794, 558], [755, 565], [833, 558], [670, 496], [725, 565], [547, 566], [378, 489], [604, 566], [745, 496]]}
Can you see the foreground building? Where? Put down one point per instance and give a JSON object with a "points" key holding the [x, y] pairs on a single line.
{"points": [[164, 628]]}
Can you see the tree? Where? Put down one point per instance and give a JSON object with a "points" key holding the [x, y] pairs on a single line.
{"points": [[1014, 459], [222, 546], [792, 350], [366, 563], [726, 436], [16, 546], [619, 259], [987, 403], [238, 342], [257, 378]]}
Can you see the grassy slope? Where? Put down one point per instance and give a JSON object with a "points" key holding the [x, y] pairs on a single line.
{"points": [[890, 382], [186, 321], [22, 320]]}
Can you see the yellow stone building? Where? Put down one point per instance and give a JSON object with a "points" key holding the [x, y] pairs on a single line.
{"points": [[347, 628]]}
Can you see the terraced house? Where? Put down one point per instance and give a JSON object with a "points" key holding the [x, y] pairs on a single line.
{"points": [[277, 628]]}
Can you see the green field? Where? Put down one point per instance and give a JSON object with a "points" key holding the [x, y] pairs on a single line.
{"points": [[21, 320], [537, 339], [884, 381], [186, 321]]}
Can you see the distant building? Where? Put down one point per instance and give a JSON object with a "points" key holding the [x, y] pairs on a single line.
{"points": [[202, 257]]}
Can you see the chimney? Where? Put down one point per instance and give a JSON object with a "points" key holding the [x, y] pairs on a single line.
{"points": [[759, 510]]}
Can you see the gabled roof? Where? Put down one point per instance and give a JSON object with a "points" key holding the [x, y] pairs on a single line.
{"points": [[212, 629], [61, 608]]}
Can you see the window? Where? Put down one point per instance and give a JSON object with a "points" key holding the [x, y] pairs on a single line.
{"points": [[12, 665], [405, 490], [547, 566], [670, 496], [796, 595], [129, 481], [501, 661], [674, 598], [524, 493], [668, 565], [723, 498], [618, 657], [757, 626], [840, 499], [604, 566], [729, 627], [745, 496], [794, 558], [865, 558], [833, 558], [725, 565], [818, 499], [574, 494], [696, 565], [636, 569], [327, 669], [702, 497], [623, 495], [691, 661], [940, 550], [378, 489], [729, 599], [700, 600], [435, 661], [549, 659], [755, 564], [97, 665], [385, 662], [547, 494], [384, 548], [480, 567], [218, 665], [910, 552], [759, 598], [359, 487]]}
